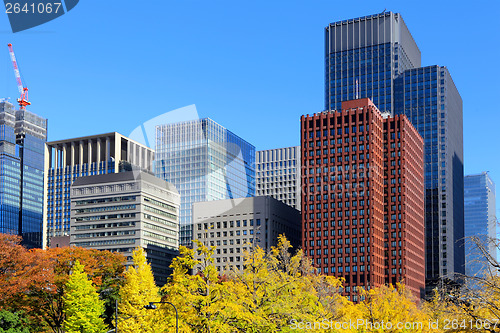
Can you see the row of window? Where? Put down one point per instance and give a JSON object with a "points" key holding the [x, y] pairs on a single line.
{"points": [[104, 209], [104, 200], [340, 251], [224, 224]]}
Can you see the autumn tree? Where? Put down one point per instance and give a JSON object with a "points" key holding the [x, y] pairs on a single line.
{"points": [[392, 304], [102, 267], [34, 280], [138, 290], [285, 287], [204, 301], [82, 306], [273, 289], [20, 270]]}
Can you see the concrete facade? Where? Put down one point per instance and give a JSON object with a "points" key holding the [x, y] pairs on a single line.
{"points": [[122, 211], [237, 225]]}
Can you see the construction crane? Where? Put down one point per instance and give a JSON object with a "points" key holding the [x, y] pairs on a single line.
{"points": [[23, 100]]}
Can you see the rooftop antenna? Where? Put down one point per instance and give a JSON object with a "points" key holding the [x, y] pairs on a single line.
{"points": [[384, 10]]}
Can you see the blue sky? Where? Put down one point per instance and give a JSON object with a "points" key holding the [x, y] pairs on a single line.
{"points": [[252, 66]]}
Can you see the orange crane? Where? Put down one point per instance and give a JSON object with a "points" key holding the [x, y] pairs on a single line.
{"points": [[23, 100]]}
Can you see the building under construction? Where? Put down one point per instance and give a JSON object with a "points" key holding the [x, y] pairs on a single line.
{"points": [[22, 138]]}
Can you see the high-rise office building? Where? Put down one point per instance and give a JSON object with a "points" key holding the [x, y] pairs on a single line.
{"points": [[363, 197], [205, 162], [364, 55], [235, 226], [429, 98], [121, 211], [480, 221], [66, 160], [278, 174], [22, 138], [375, 56]]}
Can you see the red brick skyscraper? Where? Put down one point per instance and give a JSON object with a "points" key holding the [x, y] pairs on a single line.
{"points": [[362, 197]]}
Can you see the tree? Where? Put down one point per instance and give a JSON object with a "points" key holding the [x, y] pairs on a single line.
{"points": [[34, 280], [13, 322], [394, 305], [274, 289], [82, 306], [477, 302], [45, 301], [20, 270], [138, 290]]}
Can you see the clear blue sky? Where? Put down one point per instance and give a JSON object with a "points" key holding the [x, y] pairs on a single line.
{"points": [[252, 66]]}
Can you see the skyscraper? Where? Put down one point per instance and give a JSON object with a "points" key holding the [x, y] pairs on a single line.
{"points": [[429, 98], [66, 160], [480, 220], [363, 197], [365, 55], [205, 162], [375, 56], [22, 138], [278, 174]]}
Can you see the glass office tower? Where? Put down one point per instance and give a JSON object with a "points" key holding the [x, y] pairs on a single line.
{"points": [[364, 55], [22, 138], [375, 56], [431, 101], [480, 220], [205, 162]]}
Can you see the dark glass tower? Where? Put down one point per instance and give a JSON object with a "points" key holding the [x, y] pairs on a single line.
{"points": [[429, 98], [22, 140], [368, 53], [375, 56]]}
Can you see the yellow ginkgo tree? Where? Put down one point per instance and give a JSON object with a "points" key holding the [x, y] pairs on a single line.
{"points": [[138, 290]]}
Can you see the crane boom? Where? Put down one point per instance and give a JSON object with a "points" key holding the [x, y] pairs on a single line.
{"points": [[23, 100]]}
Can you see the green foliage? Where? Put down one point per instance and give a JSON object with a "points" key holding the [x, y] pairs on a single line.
{"points": [[13, 322], [82, 306], [138, 290]]}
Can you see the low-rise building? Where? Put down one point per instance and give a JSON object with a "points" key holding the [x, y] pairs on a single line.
{"points": [[237, 225]]}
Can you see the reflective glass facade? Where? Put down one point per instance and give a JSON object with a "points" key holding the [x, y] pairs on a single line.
{"points": [[480, 220], [431, 101], [205, 162], [364, 55], [22, 139]]}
